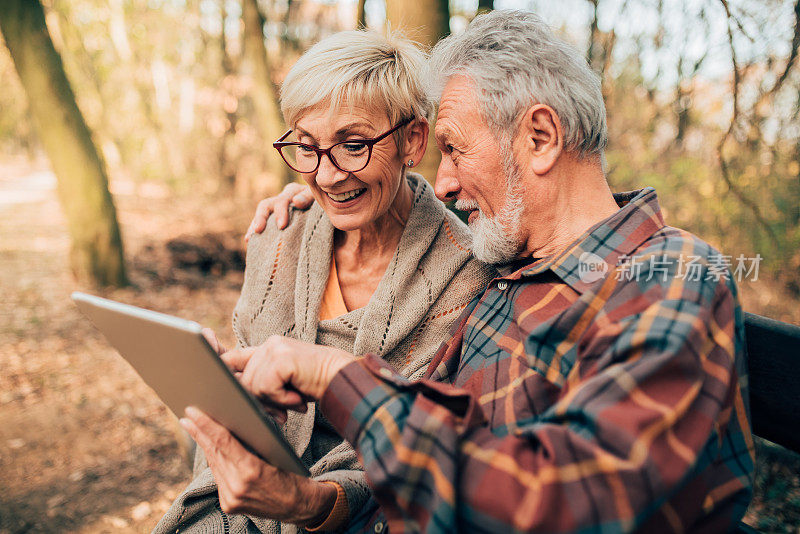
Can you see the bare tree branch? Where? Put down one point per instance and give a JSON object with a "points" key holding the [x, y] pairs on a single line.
{"points": [[723, 163], [792, 56], [737, 20]]}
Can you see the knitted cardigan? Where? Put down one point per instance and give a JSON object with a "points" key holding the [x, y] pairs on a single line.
{"points": [[430, 279]]}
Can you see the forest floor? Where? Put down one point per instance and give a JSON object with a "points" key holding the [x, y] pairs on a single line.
{"points": [[85, 446]]}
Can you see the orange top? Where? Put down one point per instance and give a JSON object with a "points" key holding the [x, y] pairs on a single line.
{"points": [[332, 300], [333, 306]]}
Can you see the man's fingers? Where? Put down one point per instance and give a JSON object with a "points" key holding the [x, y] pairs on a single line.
{"points": [[291, 189], [299, 195], [262, 214], [267, 376], [252, 228], [292, 195], [266, 384], [236, 359], [259, 222], [281, 208], [283, 400], [303, 199]]}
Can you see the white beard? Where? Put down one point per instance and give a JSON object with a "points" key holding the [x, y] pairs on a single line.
{"points": [[496, 239]]}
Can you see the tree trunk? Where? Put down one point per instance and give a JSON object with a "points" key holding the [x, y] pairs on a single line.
{"points": [[484, 6], [265, 101], [594, 53], [361, 15], [227, 154], [425, 21], [96, 254]]}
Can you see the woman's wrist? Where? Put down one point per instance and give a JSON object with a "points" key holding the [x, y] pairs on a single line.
{"points": [[320, 502]]}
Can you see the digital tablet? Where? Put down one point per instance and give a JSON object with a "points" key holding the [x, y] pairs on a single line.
{"points": [[174, 359]]}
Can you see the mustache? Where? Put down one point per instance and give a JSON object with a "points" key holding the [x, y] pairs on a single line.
{"points": [[466, 205]]}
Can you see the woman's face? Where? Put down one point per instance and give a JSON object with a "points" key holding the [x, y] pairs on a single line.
{"points": [[352, 200]]}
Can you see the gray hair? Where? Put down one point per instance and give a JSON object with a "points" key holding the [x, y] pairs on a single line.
{"points": [[515, 61], [382, 72]]}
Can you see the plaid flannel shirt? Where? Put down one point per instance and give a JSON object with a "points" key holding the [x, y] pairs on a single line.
{"points": [[571, 397]]}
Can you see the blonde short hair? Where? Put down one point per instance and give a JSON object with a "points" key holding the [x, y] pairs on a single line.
{"points": [[359, 67]]}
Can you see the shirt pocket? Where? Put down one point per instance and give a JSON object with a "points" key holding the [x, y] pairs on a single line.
{"points": [[548, 349]]}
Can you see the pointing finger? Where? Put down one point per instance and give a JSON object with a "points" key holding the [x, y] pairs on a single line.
{"points": [[236, 359]]}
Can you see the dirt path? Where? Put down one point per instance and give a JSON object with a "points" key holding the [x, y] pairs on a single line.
{"points": [[85, 446]]}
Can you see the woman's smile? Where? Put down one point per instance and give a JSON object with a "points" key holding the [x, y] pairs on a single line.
{"points": [[340, 199]]}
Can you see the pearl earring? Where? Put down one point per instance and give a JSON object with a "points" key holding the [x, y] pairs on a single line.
{"points": [[411, 163]]}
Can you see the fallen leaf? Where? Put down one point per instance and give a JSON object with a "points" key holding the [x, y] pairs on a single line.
{"points": [[116, 522], [141, 511], [56, 500]]}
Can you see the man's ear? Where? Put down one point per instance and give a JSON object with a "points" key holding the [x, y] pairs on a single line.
{"points": [[542, 136], [416, 141]]}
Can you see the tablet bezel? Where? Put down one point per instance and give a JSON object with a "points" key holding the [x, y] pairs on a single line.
{"points": [[106, 315]]}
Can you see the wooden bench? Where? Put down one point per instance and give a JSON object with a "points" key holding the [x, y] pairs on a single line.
{"points": [[773, 360]]}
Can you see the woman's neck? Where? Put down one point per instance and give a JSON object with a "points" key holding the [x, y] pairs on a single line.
{"points": [[362, 255]]}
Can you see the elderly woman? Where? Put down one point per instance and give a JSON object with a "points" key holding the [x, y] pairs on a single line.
{"points": [[376, 265]]}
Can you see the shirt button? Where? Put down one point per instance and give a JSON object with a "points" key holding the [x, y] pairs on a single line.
{"points": [[502, 285], [387, 374], [378, 527]]}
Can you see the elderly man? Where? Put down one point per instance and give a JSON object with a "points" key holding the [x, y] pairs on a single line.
{"points": [[598, 385]]}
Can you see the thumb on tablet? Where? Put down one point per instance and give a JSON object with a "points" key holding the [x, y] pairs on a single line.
{"points": [[211, 337]]}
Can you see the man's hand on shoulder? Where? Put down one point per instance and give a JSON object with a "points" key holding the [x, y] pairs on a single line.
{"points": [[293, 195]]}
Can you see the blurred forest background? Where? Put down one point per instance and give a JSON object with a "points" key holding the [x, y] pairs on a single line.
{"points": [[135, 142]]}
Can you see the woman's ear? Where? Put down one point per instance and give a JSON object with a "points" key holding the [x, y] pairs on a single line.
{"points": [[416, 141], [542, 137]]}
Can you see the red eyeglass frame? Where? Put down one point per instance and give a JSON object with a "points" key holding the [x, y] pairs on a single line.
{"points": [[280, 144]]}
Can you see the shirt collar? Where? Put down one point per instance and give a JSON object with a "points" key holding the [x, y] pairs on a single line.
{"points": [[638, 218]]}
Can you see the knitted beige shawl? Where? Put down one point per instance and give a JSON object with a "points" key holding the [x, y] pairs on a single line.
{"points": [[430, 279]]}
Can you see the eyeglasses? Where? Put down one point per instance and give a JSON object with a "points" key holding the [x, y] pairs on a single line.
{"points": [[348, 156]]}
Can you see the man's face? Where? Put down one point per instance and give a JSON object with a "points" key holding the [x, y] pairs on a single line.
{"points": [[479, 172]]}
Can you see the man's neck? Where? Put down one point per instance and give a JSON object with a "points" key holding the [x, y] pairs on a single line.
{"points": [[576, 202]]}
